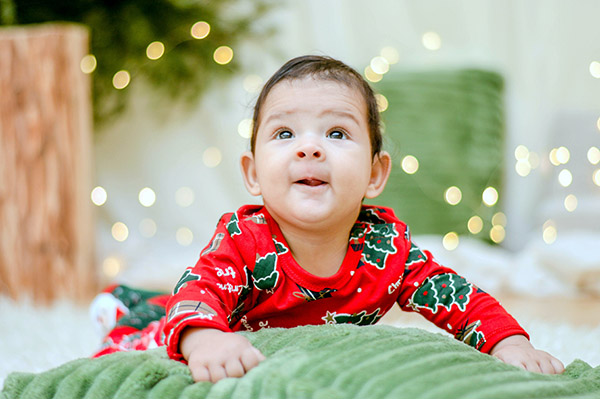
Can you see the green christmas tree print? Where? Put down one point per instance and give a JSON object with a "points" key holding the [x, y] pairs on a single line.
{"points": [[232, 227], [187, 276], [379, 243], [265, 274], [369, 216], [362, 319], [415, 256], [442, 290], [279, 247], [237, 313]]}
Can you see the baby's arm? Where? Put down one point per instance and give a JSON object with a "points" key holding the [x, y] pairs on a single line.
{"points": [[518, 351], [213, 354]]}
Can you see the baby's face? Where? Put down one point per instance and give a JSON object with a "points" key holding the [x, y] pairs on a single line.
{"points": [[312, 161]]}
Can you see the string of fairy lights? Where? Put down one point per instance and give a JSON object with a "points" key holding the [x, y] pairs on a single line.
{"points": [[526, 161]]}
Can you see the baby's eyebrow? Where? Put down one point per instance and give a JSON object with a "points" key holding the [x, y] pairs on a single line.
{"points": [[341, 114]]}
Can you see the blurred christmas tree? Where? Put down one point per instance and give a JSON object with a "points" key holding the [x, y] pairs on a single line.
{"points": [[180, 62]]}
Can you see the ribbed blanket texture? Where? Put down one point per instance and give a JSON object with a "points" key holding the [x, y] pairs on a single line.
{"points": [[328, 362]]}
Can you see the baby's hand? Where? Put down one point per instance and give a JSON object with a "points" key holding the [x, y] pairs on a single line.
{"points": [[518, 351], [213, 355]]}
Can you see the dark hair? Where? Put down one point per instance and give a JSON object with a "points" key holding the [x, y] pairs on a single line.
{"points": [[326, 68]]}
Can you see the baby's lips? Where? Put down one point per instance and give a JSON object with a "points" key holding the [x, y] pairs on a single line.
{"points": [[311, 182]]}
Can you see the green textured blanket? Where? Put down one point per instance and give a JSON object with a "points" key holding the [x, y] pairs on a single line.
{"points": [[329, 362]]}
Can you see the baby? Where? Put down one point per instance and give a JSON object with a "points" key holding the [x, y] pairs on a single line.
{"points": [[314, 254]]}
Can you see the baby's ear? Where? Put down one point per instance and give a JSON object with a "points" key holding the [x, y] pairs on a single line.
{"points": [[249, 173], [380, 171]]}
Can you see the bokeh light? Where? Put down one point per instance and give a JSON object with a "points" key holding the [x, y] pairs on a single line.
{"points": [[155, 50], [431, 41], [99, 196], [563, 155], [379, 65], [450, 241], [372, 76], [184, 197], [88, 64], [596, 177], [184, 236], [382, 102], [497, 234], [549, 232], [245, 128], [119, 231], [148, 228], [595, 69], [200, 30], [570, 202], [212, 157], [475, 224], [490, 196], [391, 55], [121, 79], [223, 55], [147, 197], [453, 195], [565, 178], [499, 219], [252, 84], [410, 164], [111, 266], [593, 155]]}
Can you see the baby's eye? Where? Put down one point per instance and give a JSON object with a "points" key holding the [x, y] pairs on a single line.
{"points": [[336, 134], [284, 134]]}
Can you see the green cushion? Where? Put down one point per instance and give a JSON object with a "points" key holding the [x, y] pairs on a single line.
{"points": [[453, 122], [328, 362]]}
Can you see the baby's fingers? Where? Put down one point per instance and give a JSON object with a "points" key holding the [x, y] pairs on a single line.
{"points": [[251, 358], [200, 373]]}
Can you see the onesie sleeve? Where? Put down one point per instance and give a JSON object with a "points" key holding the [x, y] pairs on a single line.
{"points": [[453, 303], [208, 293]]}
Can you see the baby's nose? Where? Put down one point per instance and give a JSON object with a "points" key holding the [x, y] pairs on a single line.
{"points": [[309, 152]]}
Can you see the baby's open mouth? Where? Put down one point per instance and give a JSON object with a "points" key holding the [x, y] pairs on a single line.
{"points": [[311, 182]]}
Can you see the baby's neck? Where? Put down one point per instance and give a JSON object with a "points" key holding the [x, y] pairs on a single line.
{"points": [[319, 254]]}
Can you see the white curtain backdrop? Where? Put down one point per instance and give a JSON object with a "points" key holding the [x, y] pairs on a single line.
{"points": [[543, 48]]}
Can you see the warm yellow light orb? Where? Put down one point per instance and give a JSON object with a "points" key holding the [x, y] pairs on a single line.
{"points": [[565, 178], [453, 195], [252, 83], [410, 164], [200, 30], [147, 197], [212, 157], [184, 236], [549, 233], [111, 266], [155, 50], [521, 152], [119, 231], [431, 41], [595, 69], [184, 197], [523, 167], [371, 75], [99, 196], [475, 224], [563, 155], [490, 196], [499, 219], [245, 128], [570, 202], [390, 54], [553, 157], [379, 65], [148, 228], [450, 241], [596, 177], [223, 55], [593, 155], [382, 102], [121, 79], [88, 64], [497, 234]]}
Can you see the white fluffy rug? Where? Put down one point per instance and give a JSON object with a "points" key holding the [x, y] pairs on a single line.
{"points": [[36, 338]]}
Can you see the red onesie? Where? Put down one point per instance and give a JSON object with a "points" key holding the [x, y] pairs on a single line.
{"points": [[247, 279]]}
